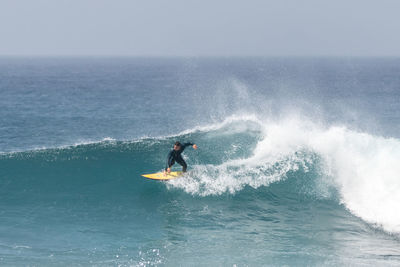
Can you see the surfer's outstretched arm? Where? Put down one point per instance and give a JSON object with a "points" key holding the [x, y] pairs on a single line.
{"points": [[189, 144]]}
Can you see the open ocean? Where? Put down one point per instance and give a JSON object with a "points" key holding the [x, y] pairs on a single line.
{"points": [[298, 161]]}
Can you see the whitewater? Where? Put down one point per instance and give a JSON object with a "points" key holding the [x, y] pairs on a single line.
{"points": [[362, 168], [297, 162]]}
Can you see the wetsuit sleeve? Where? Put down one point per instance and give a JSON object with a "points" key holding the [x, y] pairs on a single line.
{"points": [[186, 144], [169, 160]]}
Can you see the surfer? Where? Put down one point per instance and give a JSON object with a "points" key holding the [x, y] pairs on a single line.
{"points": [[175, 156]]}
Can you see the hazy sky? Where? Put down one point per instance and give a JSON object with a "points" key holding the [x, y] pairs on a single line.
{"points": [[200, 28]]}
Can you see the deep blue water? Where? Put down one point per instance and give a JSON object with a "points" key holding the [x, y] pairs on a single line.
{"points": [[297, 161]]}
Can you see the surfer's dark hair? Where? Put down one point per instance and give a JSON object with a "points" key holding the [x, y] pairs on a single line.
{"points": [[177, 143]]}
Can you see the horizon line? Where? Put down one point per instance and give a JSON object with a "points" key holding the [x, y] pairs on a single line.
{"points": [[189, 56]]}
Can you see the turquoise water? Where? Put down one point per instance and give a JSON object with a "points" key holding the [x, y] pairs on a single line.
{"points": [[297, 162]]}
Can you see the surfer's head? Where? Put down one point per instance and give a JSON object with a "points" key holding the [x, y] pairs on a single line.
{"points": [[177, 145]]}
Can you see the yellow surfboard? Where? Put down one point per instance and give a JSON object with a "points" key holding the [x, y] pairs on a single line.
{"points": [[163, 176]]}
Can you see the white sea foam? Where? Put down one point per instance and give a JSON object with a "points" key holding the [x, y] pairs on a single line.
{"points": [[363, 168]]}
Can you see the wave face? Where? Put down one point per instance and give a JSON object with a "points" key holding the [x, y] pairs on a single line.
{"points": [[93, 169], [263, 166]]}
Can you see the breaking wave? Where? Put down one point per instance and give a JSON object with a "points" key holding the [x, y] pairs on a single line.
{"points": [[356, 169]]}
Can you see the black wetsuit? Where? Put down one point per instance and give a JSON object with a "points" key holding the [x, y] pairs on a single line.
{"points": [[175, 156]]}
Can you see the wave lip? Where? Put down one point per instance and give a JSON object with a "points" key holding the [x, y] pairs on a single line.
{"points": [[366, 170]]}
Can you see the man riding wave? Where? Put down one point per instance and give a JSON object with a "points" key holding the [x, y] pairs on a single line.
{"points": [[175, 156]]}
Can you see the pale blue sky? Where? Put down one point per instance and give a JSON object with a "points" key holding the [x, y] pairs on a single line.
{"points": [[200, 28]]}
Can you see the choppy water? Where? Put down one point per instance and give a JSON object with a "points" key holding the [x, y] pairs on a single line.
{"points": [[297, 162]]}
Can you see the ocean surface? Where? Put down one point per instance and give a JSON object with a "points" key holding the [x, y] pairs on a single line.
{"points": [[298, 161]]}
